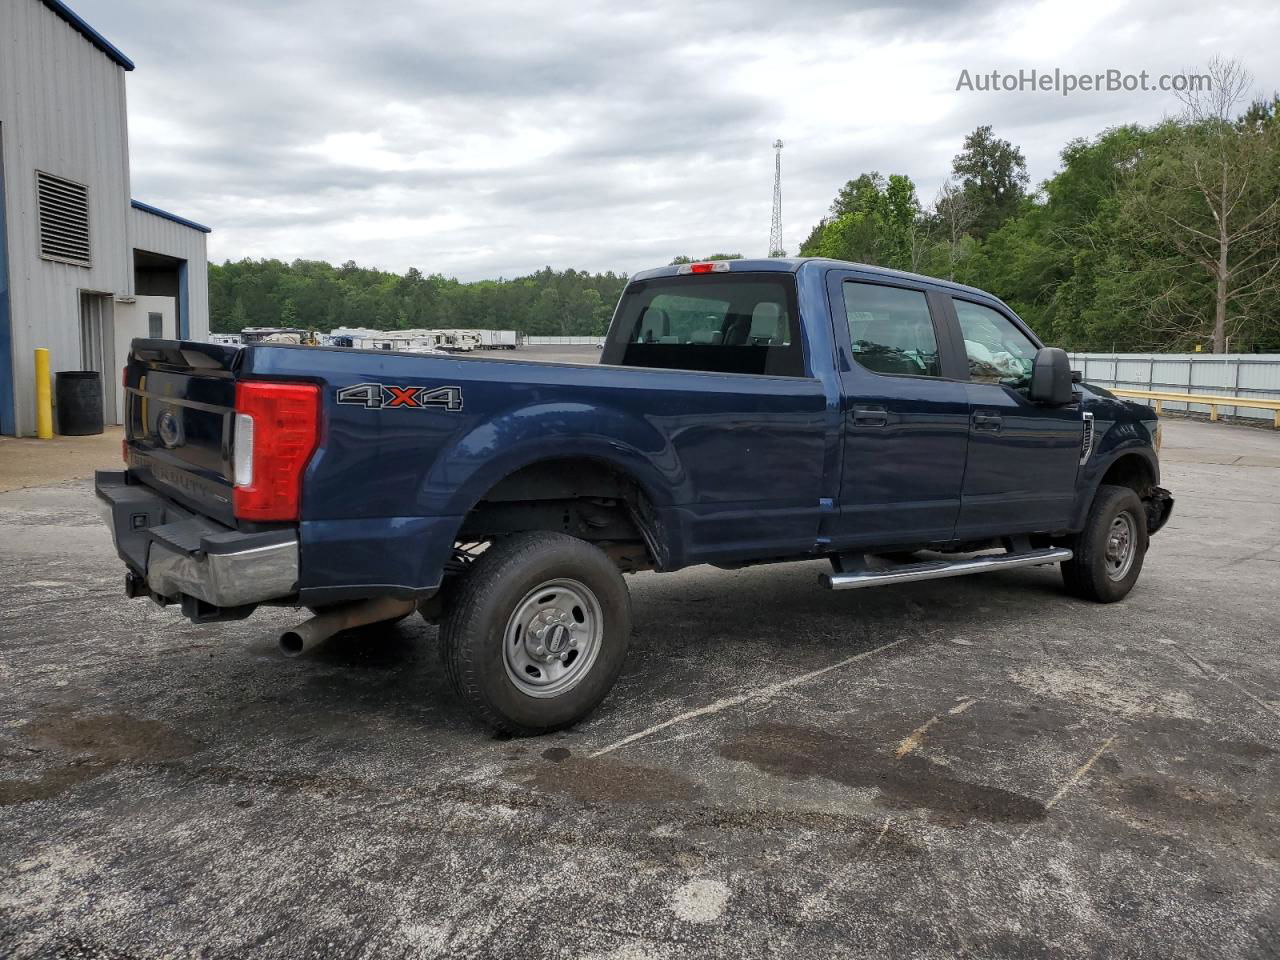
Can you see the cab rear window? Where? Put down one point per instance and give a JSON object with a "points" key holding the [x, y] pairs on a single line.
{"points": [[718, 324]]}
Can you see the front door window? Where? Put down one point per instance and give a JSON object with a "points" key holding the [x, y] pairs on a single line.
{"points": [[998, 351]]}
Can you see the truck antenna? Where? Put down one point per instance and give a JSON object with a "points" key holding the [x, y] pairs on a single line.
{"points": [[775, 229]]}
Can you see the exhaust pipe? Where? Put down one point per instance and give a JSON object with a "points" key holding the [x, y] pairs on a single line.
{"points": [[295, 641]]}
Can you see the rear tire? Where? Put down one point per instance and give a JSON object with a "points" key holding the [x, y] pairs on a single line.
{"points": [[1109, 551], [537, 632]]}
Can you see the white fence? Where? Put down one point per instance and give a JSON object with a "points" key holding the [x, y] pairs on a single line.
{"points": [[1222, 374], [564, 341]]}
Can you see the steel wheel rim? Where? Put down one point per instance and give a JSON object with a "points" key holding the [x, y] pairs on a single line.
{"points": [[552, 638], [1122, 546]]}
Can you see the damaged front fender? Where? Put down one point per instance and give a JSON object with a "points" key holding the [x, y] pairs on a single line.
{"points": [[1159, 504]]}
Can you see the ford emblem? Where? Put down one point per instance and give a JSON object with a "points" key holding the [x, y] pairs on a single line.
{"points": [[169, 429]]}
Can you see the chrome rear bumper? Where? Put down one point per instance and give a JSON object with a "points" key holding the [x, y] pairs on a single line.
{"points": [[226, 579], [179, 553]]}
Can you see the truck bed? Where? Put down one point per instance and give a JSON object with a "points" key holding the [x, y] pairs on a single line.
{"points": [[410, 443]]}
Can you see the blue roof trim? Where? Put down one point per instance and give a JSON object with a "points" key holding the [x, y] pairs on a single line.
{"points": [[792, 264], [156, 211], [93, 36]]}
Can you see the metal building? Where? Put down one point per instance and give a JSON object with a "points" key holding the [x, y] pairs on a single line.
{"points": [[83, 268]]}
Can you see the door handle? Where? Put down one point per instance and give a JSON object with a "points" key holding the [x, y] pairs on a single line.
{"points": [[987, 421], [870, 417]]}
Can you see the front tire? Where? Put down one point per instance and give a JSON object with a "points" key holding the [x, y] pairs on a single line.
{"points": [[1109, 551], [537, 632]]}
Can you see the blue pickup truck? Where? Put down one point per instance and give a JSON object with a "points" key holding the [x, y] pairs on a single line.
{"points": [[743, 412]]}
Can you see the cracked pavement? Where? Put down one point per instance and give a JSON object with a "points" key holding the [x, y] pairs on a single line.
{"points": [[973, 767]]}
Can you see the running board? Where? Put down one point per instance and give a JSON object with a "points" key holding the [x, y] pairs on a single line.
{"points": [[939, 569]]}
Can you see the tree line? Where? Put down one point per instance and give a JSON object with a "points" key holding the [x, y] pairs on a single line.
{"points": [[316, 295], [1160, 237]]}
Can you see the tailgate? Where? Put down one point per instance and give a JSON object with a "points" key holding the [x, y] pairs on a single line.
{"points": [[179, 414]]}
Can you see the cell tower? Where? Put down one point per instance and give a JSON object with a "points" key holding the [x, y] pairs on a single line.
{"points": [[775, 229]]}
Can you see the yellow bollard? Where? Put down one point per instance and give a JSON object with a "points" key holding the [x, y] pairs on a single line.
{"points": [[44, 396]]}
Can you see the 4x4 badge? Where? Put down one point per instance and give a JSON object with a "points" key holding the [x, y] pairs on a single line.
{"points": [[378, 396]]}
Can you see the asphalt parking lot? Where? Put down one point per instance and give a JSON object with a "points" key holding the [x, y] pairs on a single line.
{"points": [[981, 767]]}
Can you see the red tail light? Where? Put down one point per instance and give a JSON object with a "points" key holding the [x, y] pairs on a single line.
{"points": [[712, 266], [277, 428]]}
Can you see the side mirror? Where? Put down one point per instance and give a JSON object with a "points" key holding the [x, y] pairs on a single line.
{"points": [[1051, 377]]}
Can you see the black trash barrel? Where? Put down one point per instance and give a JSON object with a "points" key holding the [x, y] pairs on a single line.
{"points": [[79, 402]]}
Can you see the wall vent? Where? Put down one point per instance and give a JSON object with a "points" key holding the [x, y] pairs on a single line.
{"points": [[63, 207]]}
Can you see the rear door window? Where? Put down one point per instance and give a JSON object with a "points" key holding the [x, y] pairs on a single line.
{"points": [[891, 330], [721, 324]]}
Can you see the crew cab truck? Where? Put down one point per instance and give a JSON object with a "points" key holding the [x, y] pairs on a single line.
{"points": [[743, 412]]}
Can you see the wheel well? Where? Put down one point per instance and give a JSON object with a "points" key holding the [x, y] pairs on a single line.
{"points": [[585, 498], [1132, 471]]}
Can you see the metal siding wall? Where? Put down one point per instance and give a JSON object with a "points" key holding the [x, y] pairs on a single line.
{"points": [[184, 303], [1226, 374], [62, 103], [158, 235], [6, 335]]}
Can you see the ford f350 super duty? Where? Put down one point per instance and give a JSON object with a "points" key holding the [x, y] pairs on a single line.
{"points": [[747, 411]]}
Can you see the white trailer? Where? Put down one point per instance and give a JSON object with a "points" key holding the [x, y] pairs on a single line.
{"points": [[396, 342], [459, 341], [493, 339], [503, 340]]}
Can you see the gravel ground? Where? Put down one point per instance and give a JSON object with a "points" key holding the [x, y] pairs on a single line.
{"points": [[978, 767]]}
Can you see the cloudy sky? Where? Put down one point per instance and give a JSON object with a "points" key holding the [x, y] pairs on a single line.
{"points": [[490, 138]]}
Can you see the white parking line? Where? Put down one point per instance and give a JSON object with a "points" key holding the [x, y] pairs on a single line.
{"points": [[917, 735], [1070, 782], [1080, 772], [760, 693], [1219, 675]]}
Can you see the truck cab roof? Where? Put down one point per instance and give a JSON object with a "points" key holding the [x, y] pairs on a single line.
{"points": [[799, 264]]}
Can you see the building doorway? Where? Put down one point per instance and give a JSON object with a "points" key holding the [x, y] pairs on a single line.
{"points": [[153, 317], [97, 344], [156, 275]]}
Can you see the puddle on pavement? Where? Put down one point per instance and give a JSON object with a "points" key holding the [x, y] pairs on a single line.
{"points": [[801, 753], [91, 745], [607, 781], [48, 784], [1169, 799]]}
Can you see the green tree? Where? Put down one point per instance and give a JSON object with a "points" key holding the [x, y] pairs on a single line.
{"points": [[1203, 208], [993, 172], [317, 295], [238, 319], [871, 221]]}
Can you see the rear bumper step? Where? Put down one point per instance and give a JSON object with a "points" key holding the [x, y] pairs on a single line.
{"points": [[940, 569]]}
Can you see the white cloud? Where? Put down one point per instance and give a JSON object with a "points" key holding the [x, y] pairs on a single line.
{"points": [[495, 137]]}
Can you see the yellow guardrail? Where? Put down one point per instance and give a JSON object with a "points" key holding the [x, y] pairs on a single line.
{"points": [[1210, 400]]}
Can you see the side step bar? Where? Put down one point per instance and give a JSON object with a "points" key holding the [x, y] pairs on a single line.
{"points": [[938, 569]]}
